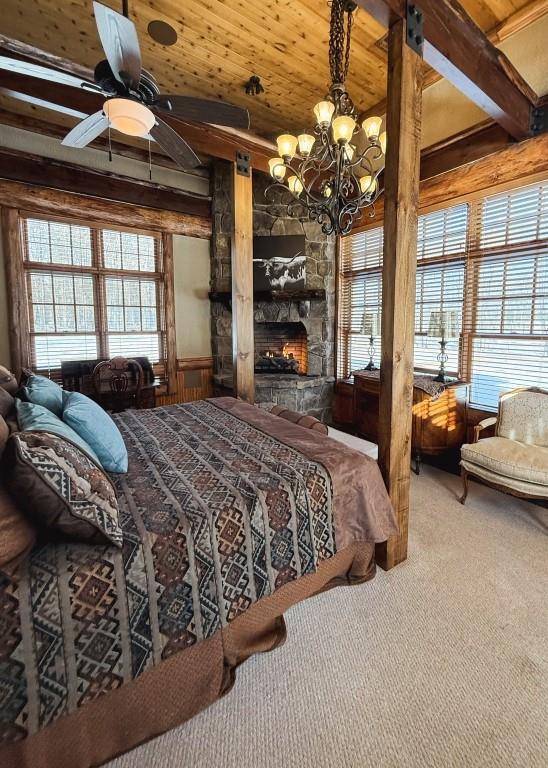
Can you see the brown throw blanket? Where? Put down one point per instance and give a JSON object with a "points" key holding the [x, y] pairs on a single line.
{"points": [[222, 505]]}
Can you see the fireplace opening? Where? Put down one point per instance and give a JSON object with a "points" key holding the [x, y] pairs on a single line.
{"points": [[281, 348]]}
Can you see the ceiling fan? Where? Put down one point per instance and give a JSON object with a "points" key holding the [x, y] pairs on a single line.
{"points": [[132, 96]]}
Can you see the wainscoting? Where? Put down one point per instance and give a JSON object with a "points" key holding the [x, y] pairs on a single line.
{"points": [[194, 381]]}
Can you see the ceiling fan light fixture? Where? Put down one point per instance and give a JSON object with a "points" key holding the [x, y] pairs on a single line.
{"points": [[129, 117]]}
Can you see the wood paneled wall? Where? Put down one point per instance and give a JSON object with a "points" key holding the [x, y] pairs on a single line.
{"points": [[194, 381]]}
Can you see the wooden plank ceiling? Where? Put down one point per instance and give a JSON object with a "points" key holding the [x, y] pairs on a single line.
{"points": [[223, 42]]}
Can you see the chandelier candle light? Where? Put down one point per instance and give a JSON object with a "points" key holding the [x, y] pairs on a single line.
{"points": [[323, 170]]}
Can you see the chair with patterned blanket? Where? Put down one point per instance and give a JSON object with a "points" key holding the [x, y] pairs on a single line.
{"points": [[515, 460]]}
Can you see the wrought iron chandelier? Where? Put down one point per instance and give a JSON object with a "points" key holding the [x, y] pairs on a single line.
{"points": [[325, 172]]}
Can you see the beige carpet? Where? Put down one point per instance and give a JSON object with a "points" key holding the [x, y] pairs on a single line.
{"points": [[441, 662]]}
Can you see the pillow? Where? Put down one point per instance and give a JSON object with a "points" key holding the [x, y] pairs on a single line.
{"points": [[35, 418], [4, 434], [60, 488], [309, 422], [95, 426], [7, 402], [17, 536], [45, 392], [8, 381]]}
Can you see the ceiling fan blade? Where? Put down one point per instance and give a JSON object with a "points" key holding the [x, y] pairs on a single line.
{"points": [[204, 110], [43, 73], [175, 146], [120, 43], [86, 131]]}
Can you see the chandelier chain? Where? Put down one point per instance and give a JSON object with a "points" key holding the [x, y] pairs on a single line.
{"points": [[339, 39]]}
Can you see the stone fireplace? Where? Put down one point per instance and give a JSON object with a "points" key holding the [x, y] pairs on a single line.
{"points": [[303, 327]]}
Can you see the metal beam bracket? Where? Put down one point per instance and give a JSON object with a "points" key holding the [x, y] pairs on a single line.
{"points": [[415, 33], [538, 120], [242, 163]]}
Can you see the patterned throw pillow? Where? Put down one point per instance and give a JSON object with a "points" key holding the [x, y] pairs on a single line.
{"points": [[60, 488]]}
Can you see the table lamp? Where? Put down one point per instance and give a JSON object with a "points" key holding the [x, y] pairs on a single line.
{"points": [[370, 327], [443, 325]]}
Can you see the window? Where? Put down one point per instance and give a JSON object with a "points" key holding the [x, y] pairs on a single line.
{"points": [[487, 261], [506, 330], [441, 258], [92, 293]]}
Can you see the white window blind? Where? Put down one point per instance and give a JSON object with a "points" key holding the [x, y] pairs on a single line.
{"points": [[441, 258], [92, 293], [507, 326], [488, 261]]}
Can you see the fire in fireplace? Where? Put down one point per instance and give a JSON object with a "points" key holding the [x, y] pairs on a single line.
{"points": [[281, 348]]}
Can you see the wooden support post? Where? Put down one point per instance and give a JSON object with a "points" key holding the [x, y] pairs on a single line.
{"points": [[16, 288], [398, 281], [242, 288]]}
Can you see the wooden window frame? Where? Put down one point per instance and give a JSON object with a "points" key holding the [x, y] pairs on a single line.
{"points": [[19, 305], [473, 257]]}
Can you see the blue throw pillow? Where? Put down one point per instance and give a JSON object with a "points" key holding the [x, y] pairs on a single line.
{"points": [[35, 418], [45, 392], [95, 426]]}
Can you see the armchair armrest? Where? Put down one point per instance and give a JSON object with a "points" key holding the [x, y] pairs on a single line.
{"points": [[484, 424]]}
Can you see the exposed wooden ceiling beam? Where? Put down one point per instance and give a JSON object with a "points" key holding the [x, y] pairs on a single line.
{"points": [[32, 124], [457, 48], [462, 148], [521, 19], [208, 140], [68, 177], [525, 161]]}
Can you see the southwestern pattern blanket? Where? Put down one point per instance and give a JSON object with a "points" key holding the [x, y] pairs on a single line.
{"points": [[218, 510]]}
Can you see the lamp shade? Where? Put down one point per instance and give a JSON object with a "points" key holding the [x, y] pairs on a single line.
{"points": [[287, 145], [129, 117], [372, 127], [343, 128], [277, 168], [306, 142], [382, 142], [324, 112], [444, 324], [295, 185], [370, 324], [368, 185]]}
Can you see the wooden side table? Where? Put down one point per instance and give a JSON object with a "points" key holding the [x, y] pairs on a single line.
{"points": [[439, 420]]}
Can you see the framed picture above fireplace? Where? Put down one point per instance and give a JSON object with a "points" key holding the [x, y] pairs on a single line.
{"points": [[279, 263]]}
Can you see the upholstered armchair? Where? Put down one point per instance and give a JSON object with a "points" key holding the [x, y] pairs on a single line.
{"points": [[515, 460]]}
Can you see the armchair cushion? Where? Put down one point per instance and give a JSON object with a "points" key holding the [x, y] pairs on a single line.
{"points": [[509, 458], [523, 416]]}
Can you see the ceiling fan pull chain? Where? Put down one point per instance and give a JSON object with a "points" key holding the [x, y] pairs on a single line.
{"points": [[109, 145], [149, 161]]}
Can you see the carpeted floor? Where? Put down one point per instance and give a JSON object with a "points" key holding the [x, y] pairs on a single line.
{"points": [[441, 662]]}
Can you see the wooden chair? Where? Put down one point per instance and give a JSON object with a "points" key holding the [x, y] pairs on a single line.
{"points": [[515, 460], [118, 383]]}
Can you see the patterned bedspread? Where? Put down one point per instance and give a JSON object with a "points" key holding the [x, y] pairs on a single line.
{"points": [[216, 514]]}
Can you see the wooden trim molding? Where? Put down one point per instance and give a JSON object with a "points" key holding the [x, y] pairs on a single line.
{"points": [[15, 194], [194, 381]]}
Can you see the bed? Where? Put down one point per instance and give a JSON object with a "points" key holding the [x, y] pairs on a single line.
{"points": [[230, 515]]}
